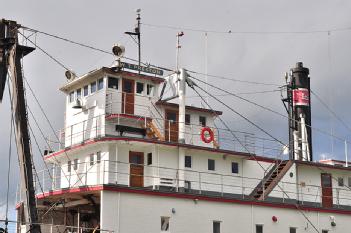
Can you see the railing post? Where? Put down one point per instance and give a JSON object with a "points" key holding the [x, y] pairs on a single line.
{"points": [[86, 173], [222, 185], [103, 171], [200, 182], [83, 132], [71, 135], [43, 180]]}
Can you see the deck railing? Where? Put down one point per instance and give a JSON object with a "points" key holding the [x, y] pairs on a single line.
{"points": [[176, 180]]}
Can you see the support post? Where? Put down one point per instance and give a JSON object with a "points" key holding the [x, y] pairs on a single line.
{"points": [[181, 126]]}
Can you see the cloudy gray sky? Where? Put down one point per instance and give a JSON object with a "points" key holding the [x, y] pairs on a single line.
{"points": [[253, 57]]}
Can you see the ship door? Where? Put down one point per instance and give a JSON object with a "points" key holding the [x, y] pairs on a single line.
{"points": [[171, 126], [128, 96], [136, 160], [327, 190]]}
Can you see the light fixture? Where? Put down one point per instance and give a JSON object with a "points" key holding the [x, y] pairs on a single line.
{"points": [[118, 50], [70, 75], [77, 104]]}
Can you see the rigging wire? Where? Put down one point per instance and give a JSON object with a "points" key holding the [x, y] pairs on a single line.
{"points": [[268, 109], [229, 32], [9, 164], [265, 170], [330, 110], [46, 53]]}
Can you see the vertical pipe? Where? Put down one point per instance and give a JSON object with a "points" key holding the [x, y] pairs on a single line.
{"points": [[346, 156]]}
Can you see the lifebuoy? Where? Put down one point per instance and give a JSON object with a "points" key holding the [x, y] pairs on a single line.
{"points": [[207, 135]]}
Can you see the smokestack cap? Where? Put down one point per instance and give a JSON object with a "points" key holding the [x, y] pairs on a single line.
{"points": [[300, 69]]}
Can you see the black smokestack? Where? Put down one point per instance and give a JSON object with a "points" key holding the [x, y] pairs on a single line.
{"points": [[300, 107]]}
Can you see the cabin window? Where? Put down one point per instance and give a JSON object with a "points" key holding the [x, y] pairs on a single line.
{"points": [[113, 83], [211, 165], [92, 87], [165, 224], [79, 93], [349, 181], [202, 121], [71, 97], [292, 229], [86, 90], [216, 227], [139, 88], [341, 181], [75, 164], [235, 168], [149, 89], [187, 119], [98, 157], [69, 166], [100, 84], [91, 159], [325, 231], [149, 158], [188, 161], [259, 228]]}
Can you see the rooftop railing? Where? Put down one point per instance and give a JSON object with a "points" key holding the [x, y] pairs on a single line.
{"points": [[144, 114]]}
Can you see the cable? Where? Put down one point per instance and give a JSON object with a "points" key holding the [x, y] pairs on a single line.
{"points": [[9, 165], [270, 110], [229, 32], [233, 80], [265, 170], [241, 93], [330, 110]]}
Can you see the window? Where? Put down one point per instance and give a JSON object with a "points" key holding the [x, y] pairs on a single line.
{"points": [[149, 158], [216, 227], [100, 84], [69, 166], [164, 223], [86, 90], [71, 97], [98, 157], [187, 119], [149, 89], [79, 93], [92, 87], [113, 83], [139, 88], [202, 121], [187, 161], [325, 231], [211, 165], [259, 228], [75, 164], [341, 181], [349, 181], [91, 159], [235, 167], [292, 229]]}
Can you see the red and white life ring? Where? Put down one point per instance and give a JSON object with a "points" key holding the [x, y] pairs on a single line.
{"points": [[207, 135]]}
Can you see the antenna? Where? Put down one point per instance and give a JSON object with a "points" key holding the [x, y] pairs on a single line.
{"points": [[137, 34], [178, 46]]}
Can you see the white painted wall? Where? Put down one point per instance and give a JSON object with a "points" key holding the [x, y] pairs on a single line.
{"points": [[134, 213]]}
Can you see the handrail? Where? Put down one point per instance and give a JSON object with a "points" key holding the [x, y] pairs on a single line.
{"points": [[201, 181]]}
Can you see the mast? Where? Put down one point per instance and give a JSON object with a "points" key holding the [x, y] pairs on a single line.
{"points": [[13, 53]]}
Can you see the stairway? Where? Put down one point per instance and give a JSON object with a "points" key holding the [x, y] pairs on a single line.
{"points": [[270, 181], [152, 131]]}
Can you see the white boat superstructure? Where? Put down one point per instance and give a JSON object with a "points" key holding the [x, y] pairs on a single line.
{"points": [[118, 168]]}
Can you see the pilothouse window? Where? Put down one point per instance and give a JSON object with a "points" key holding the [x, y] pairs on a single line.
{"points": [[139, 88], [113, 83], [71, 97], [149, 89], [100, 84], [86, 90], [92, 87]]}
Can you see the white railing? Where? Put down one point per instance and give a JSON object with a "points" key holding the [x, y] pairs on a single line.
{"points": [[197, 182]]}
